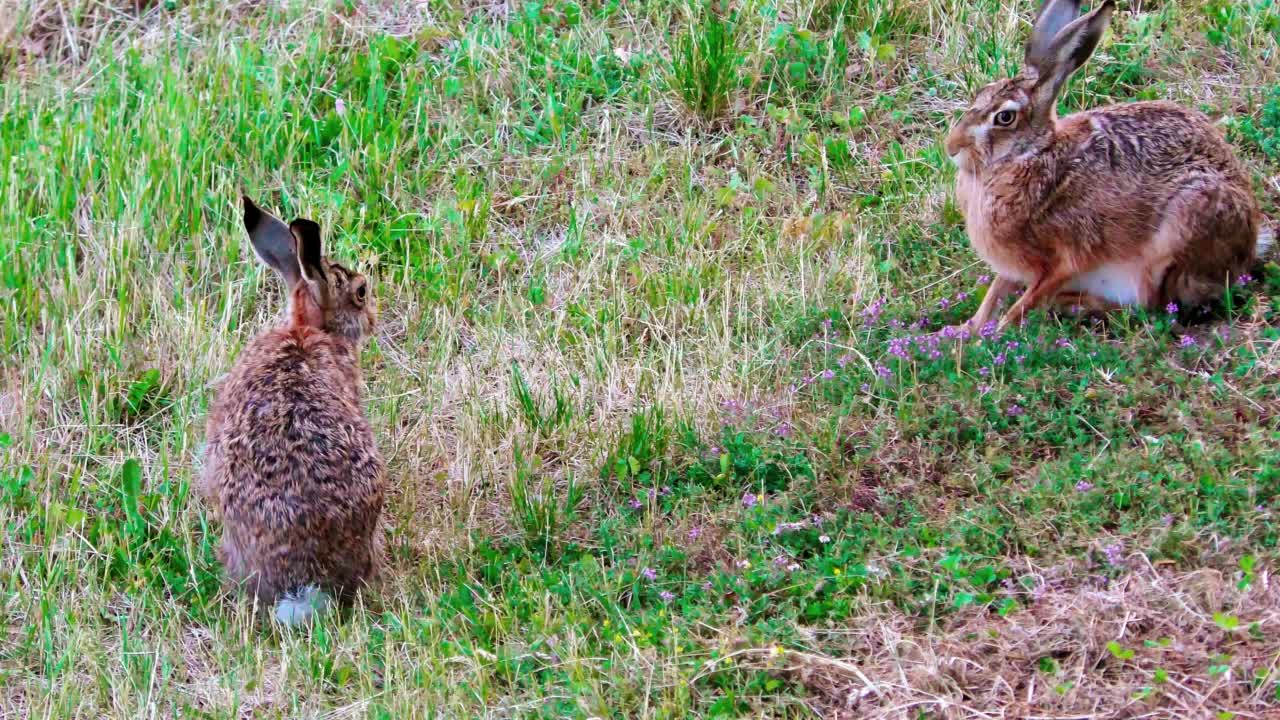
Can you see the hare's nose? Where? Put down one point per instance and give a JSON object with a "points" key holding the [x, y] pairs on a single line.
{"points": [[957, 141]]}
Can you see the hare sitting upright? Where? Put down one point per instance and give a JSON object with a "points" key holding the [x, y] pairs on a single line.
{"points": [[1135, 204], [291, 467]]}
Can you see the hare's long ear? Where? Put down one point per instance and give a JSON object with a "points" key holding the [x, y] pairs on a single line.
{"points": [[1054, 15], [1065, 54], [311, 257], [272, 242]]}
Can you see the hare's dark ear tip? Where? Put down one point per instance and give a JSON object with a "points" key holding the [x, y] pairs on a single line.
{"points": [[305, 228], [252, 213]]}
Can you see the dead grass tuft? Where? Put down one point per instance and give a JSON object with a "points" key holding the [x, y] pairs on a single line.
{"points": [[1066, 655], [64, 30]]}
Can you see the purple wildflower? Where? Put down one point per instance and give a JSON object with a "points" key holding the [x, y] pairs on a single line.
{"points": [[1186, 341], [1063, 343], [665, 491], [749, 500], [884, 372], [816, 520], [1167, 520], [695, 532], [828, 374], [781, 560], [962, 296], [1020, 359], [1171, 308], [998, 359], [1244, 279], [984, 371], [649, 574], [1114, 554], [871, 313], [844, 360], [984, 279], [984, 389], [636, 504], [1084, 486], [988, 330], [783, 430], [1016, 410], [900, 347], [826, 324], [944, 303], [866, 387], [667, 596], [707, 586]]}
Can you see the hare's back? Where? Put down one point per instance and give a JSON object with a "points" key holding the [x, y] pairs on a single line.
{"points": [[1152, 142], [295, 446]]}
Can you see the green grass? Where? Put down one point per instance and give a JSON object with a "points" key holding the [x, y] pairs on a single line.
{"points": [[659, 442]]}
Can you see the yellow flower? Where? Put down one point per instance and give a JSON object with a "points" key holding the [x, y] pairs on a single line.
{"points": [[606, 622], [836, 572], [776, 651]]}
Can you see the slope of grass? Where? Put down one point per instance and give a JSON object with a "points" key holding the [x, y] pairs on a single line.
{"points": [[665, 435]]}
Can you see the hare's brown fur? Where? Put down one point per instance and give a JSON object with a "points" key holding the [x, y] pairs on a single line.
{"points": [[291, 465], [1141, 203]]}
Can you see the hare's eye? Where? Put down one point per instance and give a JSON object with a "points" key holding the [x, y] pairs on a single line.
{"points": [[1005, 118], [361, 291]]}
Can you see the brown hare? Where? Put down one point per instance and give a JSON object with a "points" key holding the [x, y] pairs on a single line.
{"points": [[291, 467], [1136, 204]]}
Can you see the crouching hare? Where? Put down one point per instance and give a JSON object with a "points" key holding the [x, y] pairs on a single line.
{"points": [[1135, 204], [290, 465]]}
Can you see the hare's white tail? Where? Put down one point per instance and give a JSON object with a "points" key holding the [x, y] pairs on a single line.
{"points": [[300, 605], [1266, 242]]}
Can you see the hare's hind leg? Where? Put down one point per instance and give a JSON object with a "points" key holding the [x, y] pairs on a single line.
{"points": [[1087, 302], [1209, 235], [232, 559]]}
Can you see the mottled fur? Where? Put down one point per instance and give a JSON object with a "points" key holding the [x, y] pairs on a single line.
{"points": [[1134, 204], [291, 466]]}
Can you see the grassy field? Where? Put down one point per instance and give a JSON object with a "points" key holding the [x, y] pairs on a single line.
{"points": [[665, 438]]}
